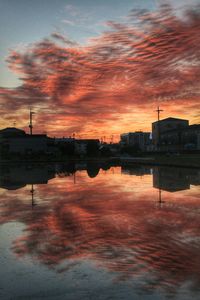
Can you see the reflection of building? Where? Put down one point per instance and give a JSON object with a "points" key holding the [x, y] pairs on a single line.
{"points": [[92, 169], [13, 140], [137, 139], [17, 176], [175, 179], [171, 179], [136, 170], [194, 177], [175, 134]]}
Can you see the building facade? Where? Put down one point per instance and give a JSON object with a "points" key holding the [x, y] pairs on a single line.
{"points": [[174, 134], [161, 127], [137, 139]]}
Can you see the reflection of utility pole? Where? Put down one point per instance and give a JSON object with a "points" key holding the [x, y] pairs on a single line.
{"points": [[32, 195], [160, 198], [75, 177], [160, 190], [158, 126], [31, 121]]}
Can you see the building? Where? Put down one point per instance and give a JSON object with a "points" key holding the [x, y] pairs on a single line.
{"points": [[86, 147], [190, 137], [174, 134], [16, 141], [160, 128], [110, 149], [140, 140]]}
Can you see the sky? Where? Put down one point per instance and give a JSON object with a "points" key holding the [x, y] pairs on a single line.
{"points": [[98, 68]]}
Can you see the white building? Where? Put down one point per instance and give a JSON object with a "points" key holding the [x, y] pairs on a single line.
{"points": [[138, 139]]}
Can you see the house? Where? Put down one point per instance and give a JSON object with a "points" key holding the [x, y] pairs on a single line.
{"points": [[16, 141]]}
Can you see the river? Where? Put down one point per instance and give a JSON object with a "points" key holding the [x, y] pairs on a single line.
{"points": [[92, 231]]}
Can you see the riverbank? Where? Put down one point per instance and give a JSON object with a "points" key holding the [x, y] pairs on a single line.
{"points": [[175, 160]]}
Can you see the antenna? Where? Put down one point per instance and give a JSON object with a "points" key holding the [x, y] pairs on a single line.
{"points": [[31, 121]]}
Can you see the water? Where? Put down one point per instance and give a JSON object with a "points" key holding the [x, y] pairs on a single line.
{"points": [[90, 231]]}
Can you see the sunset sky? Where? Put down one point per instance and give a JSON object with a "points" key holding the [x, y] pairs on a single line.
{"points": [[98, 68]]}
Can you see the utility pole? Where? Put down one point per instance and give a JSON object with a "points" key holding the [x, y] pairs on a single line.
{"points": [[31, 121], [158, 127], [158, 111]]}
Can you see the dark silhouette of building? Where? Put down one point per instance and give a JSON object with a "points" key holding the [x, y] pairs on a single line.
{"points": [[93, 169], [174, 134], [16, 141], [16, 176], [85, 147], [137, 170], [160, 128]]}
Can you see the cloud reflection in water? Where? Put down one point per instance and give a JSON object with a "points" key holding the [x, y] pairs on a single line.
{"points": [[115, 220]]}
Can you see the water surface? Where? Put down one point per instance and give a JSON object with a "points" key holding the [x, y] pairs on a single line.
{"points": [[90, 231]]}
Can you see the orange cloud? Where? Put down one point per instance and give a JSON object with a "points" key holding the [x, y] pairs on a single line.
{"points": [[128, 69]]}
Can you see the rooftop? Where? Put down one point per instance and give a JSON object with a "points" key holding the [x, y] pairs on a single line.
{"points": [[12, 131], [171, 120]]}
